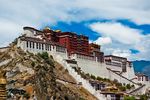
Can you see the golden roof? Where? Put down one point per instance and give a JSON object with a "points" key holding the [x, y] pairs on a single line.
{"points": [[47, 28], [3, 81], [57, 30]]}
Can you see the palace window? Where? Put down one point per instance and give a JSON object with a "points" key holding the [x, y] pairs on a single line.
{"points": [[27, 44], [37, 45], [30, 44], [46, 47], [33, 44], [113, 97], [42, 46], [50, 47]]}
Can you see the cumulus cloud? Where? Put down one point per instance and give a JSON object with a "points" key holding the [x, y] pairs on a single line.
{"points": [[122, 53], [103, 40], [123, 39], [117, 31], [8, 31]]}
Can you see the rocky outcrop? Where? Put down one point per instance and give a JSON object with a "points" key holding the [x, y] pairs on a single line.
{"points": [[33, 77]]}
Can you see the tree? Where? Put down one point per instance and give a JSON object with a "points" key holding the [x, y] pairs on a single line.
{"points": [[93, 77], [122, 88], [44, 55], [143, 97], [99, 78], [128, 86]]}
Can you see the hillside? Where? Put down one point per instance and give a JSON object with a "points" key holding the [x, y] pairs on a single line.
{"points": [[142, 66], [38, 77]]}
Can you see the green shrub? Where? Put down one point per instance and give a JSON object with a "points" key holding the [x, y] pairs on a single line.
{"points": [[122, 88], [81, 98], [93, 77], [129, 98], [44, 55], [124, 84], [88, 74], [128, 86], [33, 64], [99, 78], [107, 80], [132, 86], [143, 97]]}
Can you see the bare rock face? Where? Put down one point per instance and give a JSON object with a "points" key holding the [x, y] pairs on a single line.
{"points": [[34, 77]]}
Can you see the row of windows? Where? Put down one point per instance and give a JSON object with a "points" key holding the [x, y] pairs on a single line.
{"points": [[118, 59], [85, 57], [38, 46], [142, 78], [114, 97], [98, 86], [60, 49], [113, 64]]}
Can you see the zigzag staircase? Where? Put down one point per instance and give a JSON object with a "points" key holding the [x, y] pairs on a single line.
{"points": [[78, 78], [132, 91], [122, 76], [137, 89]]}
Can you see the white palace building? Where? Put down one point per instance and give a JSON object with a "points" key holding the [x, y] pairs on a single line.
{"points": [[88, 56]]}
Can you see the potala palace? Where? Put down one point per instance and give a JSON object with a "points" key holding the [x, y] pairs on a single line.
{"points": [[72, 50]]}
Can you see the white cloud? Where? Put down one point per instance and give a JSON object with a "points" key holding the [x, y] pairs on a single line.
{"points": [[122, 53], [123, 39], [103, 40], [8, 31], [117, 32], [144, 47]]}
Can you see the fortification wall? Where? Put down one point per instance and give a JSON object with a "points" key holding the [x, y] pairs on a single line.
{"points": [[100, 69], [93, 67], [129, 73], [116, 68]]}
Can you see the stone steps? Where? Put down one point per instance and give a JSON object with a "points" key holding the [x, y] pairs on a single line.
{"points": [[78, 78]]}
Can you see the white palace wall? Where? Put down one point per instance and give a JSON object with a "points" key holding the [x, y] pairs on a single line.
{"points": [[129, 73], [87, 65], [99, 69], [52, 51], [93, 67]]}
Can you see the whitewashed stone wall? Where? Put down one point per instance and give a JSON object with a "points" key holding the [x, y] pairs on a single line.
{"points": [[129, 73], [100, 69], [93, 67], [53, 51], [116, 68]]}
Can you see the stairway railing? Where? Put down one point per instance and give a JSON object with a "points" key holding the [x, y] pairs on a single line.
{"points": [[123, 76], [132, 91], [79, 79], [137, 89]]}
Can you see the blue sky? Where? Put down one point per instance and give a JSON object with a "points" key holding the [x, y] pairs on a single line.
{"points": [[121, 27]]}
